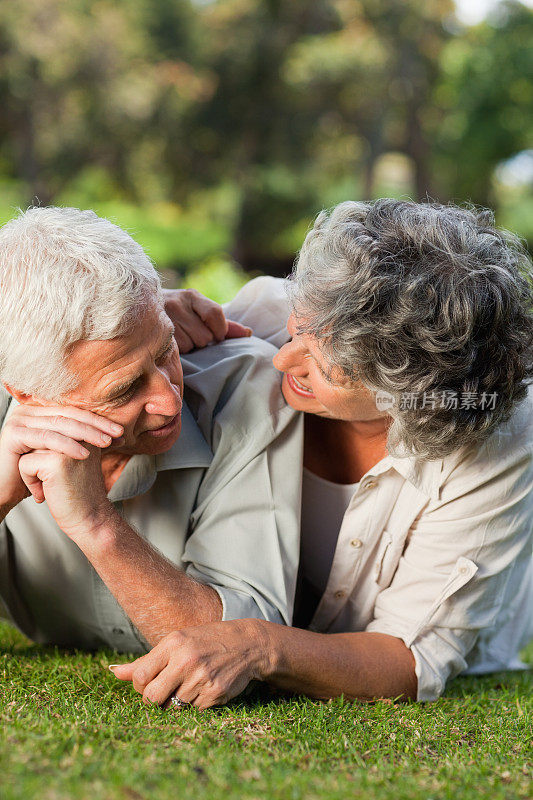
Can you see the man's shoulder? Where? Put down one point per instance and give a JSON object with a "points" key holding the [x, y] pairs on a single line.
{"points": [[234, 384]]}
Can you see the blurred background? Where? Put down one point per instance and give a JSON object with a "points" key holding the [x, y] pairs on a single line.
{"points": [[215, 131]]}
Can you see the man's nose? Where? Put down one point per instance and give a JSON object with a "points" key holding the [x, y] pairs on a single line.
{"points": [[165, 398]]}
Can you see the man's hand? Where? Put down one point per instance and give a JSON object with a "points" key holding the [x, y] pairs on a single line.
{"points": [[199, 321], [73, 488], [57, 430], [206, 665]]}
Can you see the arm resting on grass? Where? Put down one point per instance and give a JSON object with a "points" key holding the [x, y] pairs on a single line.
{"points": [[157, 596], [322, 665], [209, 664]]}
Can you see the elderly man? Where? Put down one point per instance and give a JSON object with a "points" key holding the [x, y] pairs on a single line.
{"points": [[136, 490]]}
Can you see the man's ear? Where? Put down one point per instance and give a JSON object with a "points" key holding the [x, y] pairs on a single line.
{"points": [[20, 397]]}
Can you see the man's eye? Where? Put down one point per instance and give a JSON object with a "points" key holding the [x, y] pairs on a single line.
{"points": [[166, 355], [123, 398]]}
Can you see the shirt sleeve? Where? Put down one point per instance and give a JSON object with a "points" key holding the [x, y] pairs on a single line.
{"points": [[246, 539], [245, 529], [263, 305], [466, 556]]}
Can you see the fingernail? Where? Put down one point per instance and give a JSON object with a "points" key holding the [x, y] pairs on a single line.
{"points": [[112, 666]]}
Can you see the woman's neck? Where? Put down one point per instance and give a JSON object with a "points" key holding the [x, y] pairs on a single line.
{"points": [[343, 451]]}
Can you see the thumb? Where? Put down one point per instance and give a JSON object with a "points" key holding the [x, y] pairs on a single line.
{"points": [[237, 331], [124, 672]]}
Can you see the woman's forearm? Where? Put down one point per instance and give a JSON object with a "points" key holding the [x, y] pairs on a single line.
{"points": [[357, 665]]}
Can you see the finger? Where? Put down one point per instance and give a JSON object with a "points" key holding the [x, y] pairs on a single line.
{"points": [[82, 415], [190, 325], [29, 466], [145, 668], [165, 684], [30, 439], [70, 427], [184, 342], [35, 487], [237, 331], [124, 672], [211, 314]]}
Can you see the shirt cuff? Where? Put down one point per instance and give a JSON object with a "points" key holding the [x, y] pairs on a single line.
{"points": [[436, 656], [239, 605]]}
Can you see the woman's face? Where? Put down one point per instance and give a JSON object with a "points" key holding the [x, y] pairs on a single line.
{"points": [[311, 385]]}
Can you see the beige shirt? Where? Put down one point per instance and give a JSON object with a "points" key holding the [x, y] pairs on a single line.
{"points": [[222, 503], [436, 553]]}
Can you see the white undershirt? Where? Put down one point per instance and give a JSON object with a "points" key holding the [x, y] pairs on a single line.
{"points": [[323, 507]]}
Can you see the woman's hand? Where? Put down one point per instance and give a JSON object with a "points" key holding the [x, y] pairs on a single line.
{"points": [[205, 666], [198, 321]]}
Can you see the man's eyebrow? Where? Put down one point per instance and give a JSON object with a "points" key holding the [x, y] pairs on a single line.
{"points": [[163, 349], [122, 388]]}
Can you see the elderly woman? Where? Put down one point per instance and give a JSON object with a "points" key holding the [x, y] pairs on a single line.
{"points": [[410, 354]]}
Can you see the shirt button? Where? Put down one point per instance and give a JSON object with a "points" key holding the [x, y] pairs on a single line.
{"points": [[463, 570], [356, 543], [118, 631], [340, 594], [370, 485]]}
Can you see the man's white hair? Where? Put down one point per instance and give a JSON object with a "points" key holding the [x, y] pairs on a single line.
{"points": [[65, 275]]}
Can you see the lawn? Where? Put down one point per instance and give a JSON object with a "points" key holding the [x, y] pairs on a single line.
{"points": [[71, 730]]}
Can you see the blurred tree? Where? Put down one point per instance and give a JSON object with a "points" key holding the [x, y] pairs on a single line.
{"points": [[486, 100], [250, 115], [255, 130], [80, 85], [378, 72]]}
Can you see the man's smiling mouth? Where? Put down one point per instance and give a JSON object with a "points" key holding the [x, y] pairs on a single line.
{"points": [[164, 429]]}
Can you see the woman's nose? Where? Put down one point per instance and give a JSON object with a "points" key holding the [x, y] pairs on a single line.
{"points": [[289, 356]]}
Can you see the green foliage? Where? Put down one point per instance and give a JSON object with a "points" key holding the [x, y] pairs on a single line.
{"points": [[69, 729], [218, 278], [486, 99], [283, 108]]}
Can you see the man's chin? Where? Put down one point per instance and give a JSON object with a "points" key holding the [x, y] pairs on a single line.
{"points": [[150, 445]]}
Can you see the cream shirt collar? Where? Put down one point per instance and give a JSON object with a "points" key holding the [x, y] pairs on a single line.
{"points": [[426, 476]]}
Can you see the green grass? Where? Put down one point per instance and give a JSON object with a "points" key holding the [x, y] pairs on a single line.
{"points": [[69, 729]]}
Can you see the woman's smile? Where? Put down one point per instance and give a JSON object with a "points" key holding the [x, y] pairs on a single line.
{"points": [[299, 387]]}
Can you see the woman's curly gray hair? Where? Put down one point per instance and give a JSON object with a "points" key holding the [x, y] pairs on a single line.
{"points": [[419, 297]]}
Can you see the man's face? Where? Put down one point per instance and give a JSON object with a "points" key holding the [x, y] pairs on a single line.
{"points": [[135, 380]]}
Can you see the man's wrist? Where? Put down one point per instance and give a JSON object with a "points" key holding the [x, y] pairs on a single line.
{"points": [[99, 531]]}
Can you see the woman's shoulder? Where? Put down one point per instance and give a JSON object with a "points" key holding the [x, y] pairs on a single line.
{"points": [[263, 304], [504, 460]]}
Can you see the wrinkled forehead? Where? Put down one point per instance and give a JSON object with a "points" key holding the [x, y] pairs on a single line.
{"points": [[147, 333]]}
